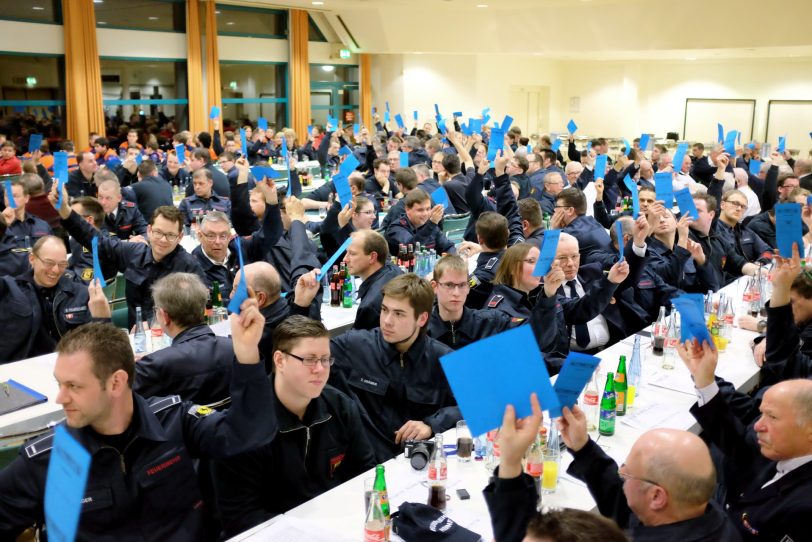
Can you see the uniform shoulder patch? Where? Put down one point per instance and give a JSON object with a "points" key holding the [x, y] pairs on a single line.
{"points": [[491, 263], [200, 411], [473, 281], [494, 301], [21, 250], [39, 446], [85, 250], [163, 404], [128, 203], [87, 273]]}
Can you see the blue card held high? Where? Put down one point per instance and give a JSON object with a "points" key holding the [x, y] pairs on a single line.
{"points": [[329, 263], [399, 121], [600, 166], [755, 166], [664, 187], [9, 195], [34, 142], [730, 143], [788, 228], [679, 156], [61, 174], [556, 145], [686, 204], [482, 393], [244, 143], [97, 270], [506, 123], [262, 123], [240, 293], [496, 144], [720, 136], [572, 127], [782, 144], [404, 159], [644, 141], [692, 318], [628, 147], [549, 247], [215, 112], [342, 186]]}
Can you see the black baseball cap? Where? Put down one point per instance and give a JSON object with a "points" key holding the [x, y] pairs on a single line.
{"points": [[416, 522]]}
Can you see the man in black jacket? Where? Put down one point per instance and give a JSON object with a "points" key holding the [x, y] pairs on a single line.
{"points": [[142, 450], [321, 441], [420, 224], [180, 307], [368, 259], [151, 191], [80, 180]]}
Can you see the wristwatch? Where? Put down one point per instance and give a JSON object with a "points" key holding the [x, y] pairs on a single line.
{"points": [[761, 326]]}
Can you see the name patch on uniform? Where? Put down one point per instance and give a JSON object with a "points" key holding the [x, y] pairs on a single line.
{"points": [[645, 283], [334, 463], [495, 300], [369, 382], [163, 466]]}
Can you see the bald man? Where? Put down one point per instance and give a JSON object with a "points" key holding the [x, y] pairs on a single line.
{"points": [[264, 280], [662, 492], [770, 493]]}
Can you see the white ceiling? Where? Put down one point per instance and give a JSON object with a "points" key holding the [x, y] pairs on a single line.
{"points": [[576, 29]]}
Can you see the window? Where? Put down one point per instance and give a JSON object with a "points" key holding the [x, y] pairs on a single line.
{"points": [[251, 22], [32, 98], [35, 11], [334, 91], [254, 89], [147, 94], [156, 15], [313, 32]]}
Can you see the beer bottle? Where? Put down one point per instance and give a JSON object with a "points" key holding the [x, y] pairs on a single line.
{"points": [[621, 386], [437, 475], [606, 424], [216, 299], [379, 487], [534, 464], [410, 258], [375, 524]]}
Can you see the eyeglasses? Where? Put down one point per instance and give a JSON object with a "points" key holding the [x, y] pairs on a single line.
{"points": [[738, 205], [311, 361], [573, 258], [171, 237], [451, 286], [368, 213], [50, 263], [623, 476], [216, 236]]}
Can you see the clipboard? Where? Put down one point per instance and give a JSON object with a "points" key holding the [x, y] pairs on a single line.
{"points": [[14, 396]]}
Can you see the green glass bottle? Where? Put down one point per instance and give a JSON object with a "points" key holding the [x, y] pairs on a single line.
{"points": [[216, 299], [621, 386], [606, 425], [380, 486]]}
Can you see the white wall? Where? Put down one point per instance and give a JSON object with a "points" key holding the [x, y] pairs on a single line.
{"points": [[32, 38], [617, 98]]}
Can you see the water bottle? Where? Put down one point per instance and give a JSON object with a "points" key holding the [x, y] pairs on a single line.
{"points": [[325, 294], [140, 337], [670, 347], [635, 372]]}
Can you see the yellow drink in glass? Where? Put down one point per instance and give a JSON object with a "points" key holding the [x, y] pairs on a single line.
{"points": [[630, 393], [549, 476], [721, 343]]}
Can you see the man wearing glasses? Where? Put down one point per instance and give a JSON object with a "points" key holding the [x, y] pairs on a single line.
{"points": [[203, 200], [141, 264], [730, 231], [217, 252], [321, 441], [42, 304]]}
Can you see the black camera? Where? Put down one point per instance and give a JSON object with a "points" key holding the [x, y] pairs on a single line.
{"points": [[419, 452]]}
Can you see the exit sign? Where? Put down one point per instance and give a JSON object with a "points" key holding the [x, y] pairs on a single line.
{"points": [[344, 53]]}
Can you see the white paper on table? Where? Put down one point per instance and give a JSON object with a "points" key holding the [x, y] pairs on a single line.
{"points": [[645, 417], [672, 380], [290, 529], [590, 194]]}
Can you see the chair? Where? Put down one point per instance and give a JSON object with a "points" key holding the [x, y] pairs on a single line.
{"points": [[454, 226]]}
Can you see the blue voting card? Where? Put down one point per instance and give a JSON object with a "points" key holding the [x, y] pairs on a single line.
{"points": [[440, 197], [679, 156], [751, 146], [508, 120], [283, 150], [485, 120], [348, 165], [495, 125], [356, 128], [549, 247], [556, 145], [692, 318], [496, 144], [386, 117], [644, 141], [262, 123], [332, 121], [465, 130], [577, 371], [664, 187], [415, 116], [686, 204], [788, 228], [61, 174], [34, 142], [441, 124], [342, 186], [475, 125], [215, 112], [262, 172], [628, 147], [9, 195], [809, 200], [632, 186], [619, 232], [244, 143], [180, 150], [720, 137], [97, 270], [329, 263], [730, 143], [399, 121], [387, 106], [588, 146], [404, 159], [457, 114], [68, 468], [530, 148], [782, 144], [485, 111], [755, 166], [572, 127], [240, 293], [600, 166], [344, 151], [309, 129], [436, 109], [739, 138], [483, 391]]}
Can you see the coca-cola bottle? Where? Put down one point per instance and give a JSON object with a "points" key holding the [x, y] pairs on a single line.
{"points": [[437, 475], [375, 524]]}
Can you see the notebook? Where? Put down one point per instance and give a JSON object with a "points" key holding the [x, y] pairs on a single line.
{"points": [[14, 396]]}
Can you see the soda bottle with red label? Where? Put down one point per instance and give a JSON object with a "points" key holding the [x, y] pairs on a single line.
{"points": [[437, 475]]}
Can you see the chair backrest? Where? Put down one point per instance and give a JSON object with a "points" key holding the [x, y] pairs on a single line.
{"points": [[455, 222]]}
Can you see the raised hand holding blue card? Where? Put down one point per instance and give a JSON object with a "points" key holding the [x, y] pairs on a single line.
{"points": [[215, 112], [572, 127], [556, 145], [240, 293], [549, 247], [664, 188], [600, 166], [9, 195], [244, 143], [34, 142], [755, 167], [692, 318], [440, 197], [262, 123], [679, 156], [788, 228], [686, 204], [632, 186]]}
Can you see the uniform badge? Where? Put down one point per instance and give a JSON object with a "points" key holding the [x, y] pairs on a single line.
{"points": [[334, 463], [516, 320], [473, 282], [491, 263], [85, 250], [200, 411], [87, 273], [495, 300]]}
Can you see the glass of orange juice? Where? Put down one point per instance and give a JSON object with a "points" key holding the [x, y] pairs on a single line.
{"points": [[549, 474]]}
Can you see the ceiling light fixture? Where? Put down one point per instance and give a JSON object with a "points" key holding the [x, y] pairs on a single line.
{"points": [[482, 5], [690, 58], [38, 8], [153, 18], [230, 23], [317, 3], [328, 68], [101, 22]]}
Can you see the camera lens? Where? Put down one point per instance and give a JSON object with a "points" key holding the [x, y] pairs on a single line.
{"points": [[420, 457]]}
